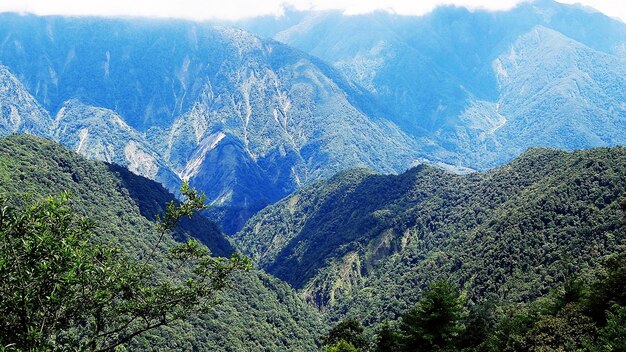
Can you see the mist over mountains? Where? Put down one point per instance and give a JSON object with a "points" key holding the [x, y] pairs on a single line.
{"points": [[484, 85], [248, 120]]}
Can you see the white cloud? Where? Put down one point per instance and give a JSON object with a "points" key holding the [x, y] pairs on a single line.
{"points": [[235, 9], [613, 8], [407, 7], [191, 9]]}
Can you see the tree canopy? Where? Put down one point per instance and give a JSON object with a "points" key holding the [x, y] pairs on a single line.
{"points": [[64, 289]]}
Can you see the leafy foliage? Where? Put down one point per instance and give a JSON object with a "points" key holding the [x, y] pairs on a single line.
{"points": [[560, 321], [563, 321], [612, 337], [436, 320], [60, 289], [341, 346], [260, 313], [349, 331], [388, 339]]}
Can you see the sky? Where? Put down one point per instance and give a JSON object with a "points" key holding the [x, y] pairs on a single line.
{"points": [[237, 9]]}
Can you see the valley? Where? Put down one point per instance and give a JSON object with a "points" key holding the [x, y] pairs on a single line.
{"points": [[376, 169]]}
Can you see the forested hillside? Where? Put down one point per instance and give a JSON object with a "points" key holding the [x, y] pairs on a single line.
{"points": [[365, 245], [260, 313], [586, 313], [368, 247]]}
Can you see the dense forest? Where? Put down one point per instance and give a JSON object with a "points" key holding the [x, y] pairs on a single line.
{"points": [[313, 180], [257, 313], [586, 313], [364, 245], [527, 257]]}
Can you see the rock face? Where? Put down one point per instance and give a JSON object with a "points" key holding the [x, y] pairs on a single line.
{"points": [[247, 120], [19, 111], [101, 134]]}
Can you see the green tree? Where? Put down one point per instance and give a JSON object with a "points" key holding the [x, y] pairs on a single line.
{"points": [[435, 323], [569, 329], [341, 346], [612, 337], [477, 327], [387, 339], [62, 289], [349, 331], [609, 289]]}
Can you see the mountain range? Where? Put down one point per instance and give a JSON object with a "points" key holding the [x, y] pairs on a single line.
{"points": [[485, 85], [356, 159], [248, 120], [365, 245], [274, 117]]}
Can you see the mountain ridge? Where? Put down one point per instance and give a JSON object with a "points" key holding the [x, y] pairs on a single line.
{"points": [[437, 76], [348, 242], [291, 117]]}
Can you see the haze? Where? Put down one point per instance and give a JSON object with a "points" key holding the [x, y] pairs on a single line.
{"points": [[238, 9]]}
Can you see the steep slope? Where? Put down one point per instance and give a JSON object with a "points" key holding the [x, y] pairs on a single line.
{"points": [[116, 64], [439, 75], [261, 314], [377, 52], [100, 134], [104, 192], [19, 112], [361, 244], [554, 92], [95, 133], [301, 129], [286, 118]]}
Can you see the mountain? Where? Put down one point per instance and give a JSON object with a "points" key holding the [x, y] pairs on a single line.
{"points": [[101, 134], [104, 192], [260, 314], [96, 133], [323, 120], [554, 92], [485, 85], [249, 120], [19, 112], [190, 93], [365, 245], [279, 121]]}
